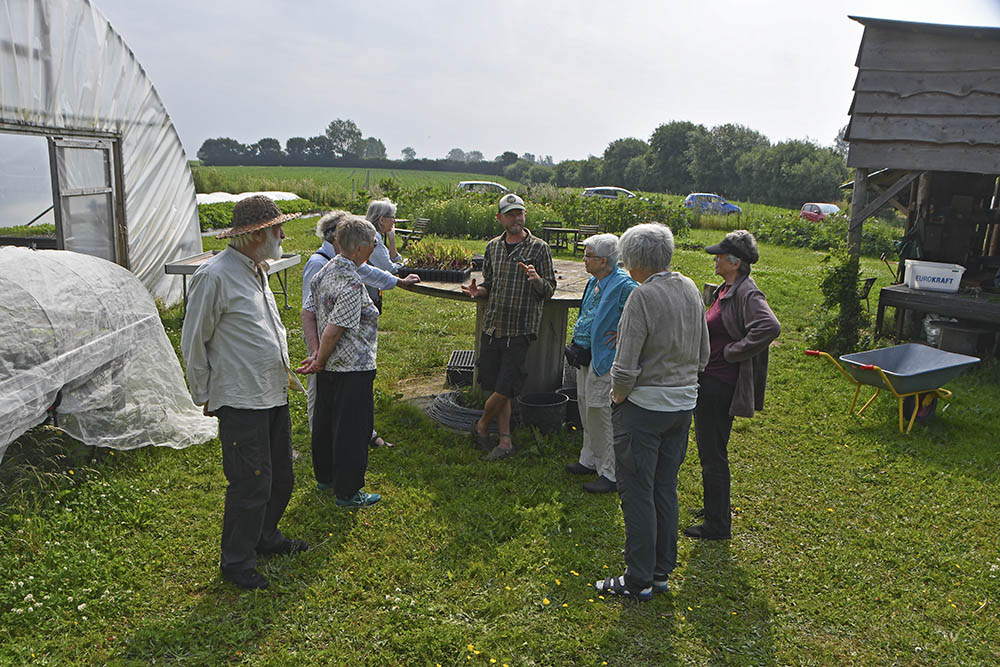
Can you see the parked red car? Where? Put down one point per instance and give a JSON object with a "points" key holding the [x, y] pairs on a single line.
{"points": [[817, 212]]}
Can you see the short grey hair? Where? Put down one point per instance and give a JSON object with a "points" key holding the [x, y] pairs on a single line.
{"points": [[744, 268], [380, 208], [604, 245], [244, 241], [327, 225], [649, 247], [354, 231]]}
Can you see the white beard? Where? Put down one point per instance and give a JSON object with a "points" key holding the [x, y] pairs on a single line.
{"points": [[270, 250]]}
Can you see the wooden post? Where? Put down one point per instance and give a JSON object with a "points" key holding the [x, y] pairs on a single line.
{"points": [[859, 198]]}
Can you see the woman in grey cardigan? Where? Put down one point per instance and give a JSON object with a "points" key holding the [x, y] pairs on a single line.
{"points": [[741, 326], [662, 344]]}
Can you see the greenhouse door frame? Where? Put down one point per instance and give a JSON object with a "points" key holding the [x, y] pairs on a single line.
{"points": [[65, 192]]}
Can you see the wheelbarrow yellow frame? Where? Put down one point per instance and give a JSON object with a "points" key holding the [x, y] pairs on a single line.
{"points": [[921, 398]]}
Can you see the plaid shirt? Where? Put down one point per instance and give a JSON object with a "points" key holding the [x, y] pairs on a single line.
{"points": [[514, 306]]}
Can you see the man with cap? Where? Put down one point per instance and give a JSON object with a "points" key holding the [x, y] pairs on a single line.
{"points": [[517, 280], [741, 327], [236, 356]]}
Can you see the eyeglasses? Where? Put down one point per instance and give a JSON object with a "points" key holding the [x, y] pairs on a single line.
{"points": [[586, 256]]}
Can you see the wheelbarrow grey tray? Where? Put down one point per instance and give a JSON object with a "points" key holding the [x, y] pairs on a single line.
{"points": [[911, 367]]}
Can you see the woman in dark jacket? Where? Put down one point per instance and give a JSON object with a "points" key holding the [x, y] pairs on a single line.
{"points": [[741, 327]]}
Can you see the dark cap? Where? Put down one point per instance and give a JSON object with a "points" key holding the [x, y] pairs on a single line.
{"points": [[740, 243]]}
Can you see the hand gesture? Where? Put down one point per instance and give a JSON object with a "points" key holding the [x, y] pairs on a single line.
{"points": [[529, 270], [472, 289], [410, 279]]}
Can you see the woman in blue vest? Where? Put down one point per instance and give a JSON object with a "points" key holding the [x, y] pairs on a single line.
{"points": [[591, 352]]}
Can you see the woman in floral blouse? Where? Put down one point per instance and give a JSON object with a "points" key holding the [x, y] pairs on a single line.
{"points": [[344, 364]]}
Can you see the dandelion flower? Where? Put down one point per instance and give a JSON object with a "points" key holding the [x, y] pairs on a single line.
{"points": [[545, 601]]}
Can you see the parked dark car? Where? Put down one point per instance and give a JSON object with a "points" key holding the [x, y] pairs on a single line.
{"points": [[706, 202], [816, 212]]}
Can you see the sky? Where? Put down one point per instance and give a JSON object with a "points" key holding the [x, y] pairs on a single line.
{"points": [[559, 78]]}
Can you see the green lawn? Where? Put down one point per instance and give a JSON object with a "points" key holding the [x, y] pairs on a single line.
{"points": [[853, 544]]}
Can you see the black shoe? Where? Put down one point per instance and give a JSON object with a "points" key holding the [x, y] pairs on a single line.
{"points": [[701, 532], [600, 485], [284, 548], [579, 469], [248, 580]]}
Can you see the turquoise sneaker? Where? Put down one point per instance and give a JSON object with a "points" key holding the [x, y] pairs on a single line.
{"points": [[359, 499]]}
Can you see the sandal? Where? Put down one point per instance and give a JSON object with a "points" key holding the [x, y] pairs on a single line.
{"points": [[498, 453], [379, 441], [482, 441], [616, 586]]}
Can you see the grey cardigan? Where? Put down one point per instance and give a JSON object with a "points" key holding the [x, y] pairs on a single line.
{"points": [[751, 324], [662, 335]]}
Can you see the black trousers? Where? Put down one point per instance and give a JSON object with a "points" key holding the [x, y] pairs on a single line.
{"points": [[342, 429], [257, 461], [712, 427]]}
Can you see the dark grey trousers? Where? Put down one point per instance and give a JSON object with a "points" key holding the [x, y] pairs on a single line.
{"points": [[257, 461], [649, 449]]}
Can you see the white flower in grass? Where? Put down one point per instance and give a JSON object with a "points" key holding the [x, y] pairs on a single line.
{"points": [[29, 597], [81, 607], [18, 610]]}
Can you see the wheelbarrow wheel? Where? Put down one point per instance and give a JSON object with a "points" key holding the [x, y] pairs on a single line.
{"points": [[925, 408]]}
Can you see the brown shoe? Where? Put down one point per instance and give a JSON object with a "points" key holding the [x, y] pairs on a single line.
{"points": [[483, 442]]}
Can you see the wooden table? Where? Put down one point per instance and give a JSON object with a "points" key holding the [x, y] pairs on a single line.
{"points": [[545, 355], [561, 236], [188, 265], [982, 307]]}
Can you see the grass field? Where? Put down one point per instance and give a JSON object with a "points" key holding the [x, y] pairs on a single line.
{"points": [[346, 179], [853, 544]]}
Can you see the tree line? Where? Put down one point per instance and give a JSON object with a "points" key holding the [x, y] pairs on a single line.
{"points": [[680, 157]]}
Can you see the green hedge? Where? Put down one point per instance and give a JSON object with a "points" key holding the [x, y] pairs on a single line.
{"points": [[220, 215], [790, 230]]}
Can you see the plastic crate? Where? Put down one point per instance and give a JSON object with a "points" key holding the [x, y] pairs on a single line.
{"points": [[933, 276], [460, 367]]}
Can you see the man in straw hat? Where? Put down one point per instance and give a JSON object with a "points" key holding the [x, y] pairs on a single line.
{"points": [[236, 355]]}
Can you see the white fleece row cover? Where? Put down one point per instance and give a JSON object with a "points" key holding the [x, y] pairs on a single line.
{"points": [[87, 328]]}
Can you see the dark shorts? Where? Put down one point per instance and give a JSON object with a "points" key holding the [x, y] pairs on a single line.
{"points": [[501, 364]]}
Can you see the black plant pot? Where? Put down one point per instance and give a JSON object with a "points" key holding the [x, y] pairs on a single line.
{"points": [[438, 275]]}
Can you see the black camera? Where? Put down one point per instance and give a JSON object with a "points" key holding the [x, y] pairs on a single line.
{"points": [[576, 355]]}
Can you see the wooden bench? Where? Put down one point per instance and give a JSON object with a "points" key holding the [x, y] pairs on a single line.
{"points": [[408, 236]]}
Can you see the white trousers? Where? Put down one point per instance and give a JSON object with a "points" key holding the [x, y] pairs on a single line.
{"points": [[593, 395]]}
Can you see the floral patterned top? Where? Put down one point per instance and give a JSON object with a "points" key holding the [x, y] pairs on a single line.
{"points": [[340, 298]]}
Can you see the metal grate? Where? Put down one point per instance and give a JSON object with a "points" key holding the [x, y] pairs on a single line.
{"points": [[460, 367]]}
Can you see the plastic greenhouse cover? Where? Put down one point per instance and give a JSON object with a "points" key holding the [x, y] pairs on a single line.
{"points": [[63, 67], [88, 328]]}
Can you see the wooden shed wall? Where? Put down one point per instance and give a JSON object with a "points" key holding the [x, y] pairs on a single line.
{"points": [[926, 98]]}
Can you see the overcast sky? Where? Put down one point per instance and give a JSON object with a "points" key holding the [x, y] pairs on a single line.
{"points": [[560, 78]]}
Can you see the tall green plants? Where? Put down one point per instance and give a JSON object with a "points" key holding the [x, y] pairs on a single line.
{"points": [[842, 328]]}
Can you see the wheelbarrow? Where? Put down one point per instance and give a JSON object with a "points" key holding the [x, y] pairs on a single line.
{"points": [[913, 373]]}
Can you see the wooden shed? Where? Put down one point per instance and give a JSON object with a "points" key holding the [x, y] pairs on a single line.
{"points": [[924, 136]]}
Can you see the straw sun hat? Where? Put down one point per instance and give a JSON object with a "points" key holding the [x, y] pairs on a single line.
{"points": [[253, 213]]}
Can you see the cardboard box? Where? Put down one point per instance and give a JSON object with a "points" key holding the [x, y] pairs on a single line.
{"points": [[932, 275]]}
